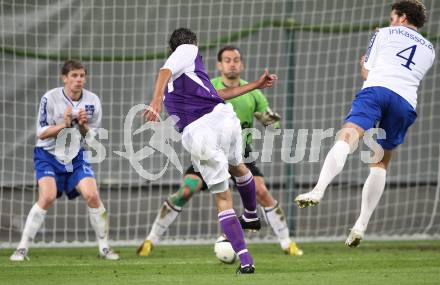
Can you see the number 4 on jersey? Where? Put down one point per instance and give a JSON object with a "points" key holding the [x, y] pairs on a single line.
{"points": [[408, 59]]}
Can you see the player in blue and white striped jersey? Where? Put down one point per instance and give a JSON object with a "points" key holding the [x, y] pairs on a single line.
{"points": [[61, 170], [397, 59]]}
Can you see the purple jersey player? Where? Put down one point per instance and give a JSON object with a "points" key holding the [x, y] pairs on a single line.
{"points": [[210, 132]]}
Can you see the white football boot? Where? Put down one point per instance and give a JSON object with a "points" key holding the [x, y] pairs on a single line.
{"points": [[109, 254], [19, 255], [308, 199], [354, 238]]}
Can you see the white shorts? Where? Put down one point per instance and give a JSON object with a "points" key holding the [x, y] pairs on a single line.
{"points": [[214, 141]]}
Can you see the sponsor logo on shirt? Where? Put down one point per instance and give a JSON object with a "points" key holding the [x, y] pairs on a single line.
{"points": [[414, 37], [90, 109]]}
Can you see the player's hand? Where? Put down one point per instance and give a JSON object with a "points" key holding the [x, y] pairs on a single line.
{"points": [[266, 80], [68, 117], [82, 117], [267, 118], [151, 113]]}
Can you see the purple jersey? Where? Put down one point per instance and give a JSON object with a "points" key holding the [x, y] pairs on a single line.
{"points": [[189, 94]]}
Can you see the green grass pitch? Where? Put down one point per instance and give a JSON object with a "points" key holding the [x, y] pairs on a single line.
{"points": [[409, 262]]}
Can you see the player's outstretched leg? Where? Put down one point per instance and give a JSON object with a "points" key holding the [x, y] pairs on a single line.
{"points": [[333, 165], [245, 182], [169, 211], [234, 233], [371, 193]]}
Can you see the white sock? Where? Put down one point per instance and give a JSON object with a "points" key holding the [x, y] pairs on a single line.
{"points": [[371, 193], [277, 220], [34, 221], [333, 165], [166, 216], [99, 222]]}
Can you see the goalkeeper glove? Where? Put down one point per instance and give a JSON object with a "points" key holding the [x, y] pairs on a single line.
{"points": [[267, 118]]}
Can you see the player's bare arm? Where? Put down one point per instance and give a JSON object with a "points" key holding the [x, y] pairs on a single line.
{"points": [[159, 89], [364, 71], [83, 122], [53, 131], [265, 80]]}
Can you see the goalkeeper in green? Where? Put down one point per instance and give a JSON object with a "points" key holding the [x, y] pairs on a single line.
{"points": [[230, 64]]}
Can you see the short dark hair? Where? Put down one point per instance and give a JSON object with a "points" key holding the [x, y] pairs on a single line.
{"points": [[70, 65], [414, 10], [182, 36], [227, 48]]}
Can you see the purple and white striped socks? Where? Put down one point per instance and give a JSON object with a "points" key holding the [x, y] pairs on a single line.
{"points": [[246, 188], [234, 233]]}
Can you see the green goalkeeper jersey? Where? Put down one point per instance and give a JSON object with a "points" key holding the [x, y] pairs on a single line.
{"points": [[245, 105]]}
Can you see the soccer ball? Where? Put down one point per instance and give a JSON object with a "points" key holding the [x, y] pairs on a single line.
{"points": [[224, 251]]}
